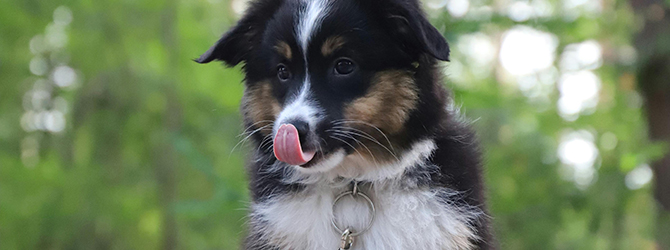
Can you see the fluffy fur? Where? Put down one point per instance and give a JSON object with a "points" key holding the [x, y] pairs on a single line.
{"points": [[360, 82]]}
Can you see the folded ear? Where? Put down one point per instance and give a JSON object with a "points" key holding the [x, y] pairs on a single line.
{"points": [[408, 23], [235, 44]]}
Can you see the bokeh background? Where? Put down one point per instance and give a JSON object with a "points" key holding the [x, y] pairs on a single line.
{"points": [[112, 138]]}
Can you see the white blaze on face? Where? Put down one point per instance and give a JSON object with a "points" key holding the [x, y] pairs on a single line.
{"points": [[310, 21], [301, 107]]}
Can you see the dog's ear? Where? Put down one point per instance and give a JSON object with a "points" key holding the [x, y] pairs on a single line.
{"points": [[235, 44], [408, 23]]}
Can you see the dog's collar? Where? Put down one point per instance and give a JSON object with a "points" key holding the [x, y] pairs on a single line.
{"points": [[348, 234]]}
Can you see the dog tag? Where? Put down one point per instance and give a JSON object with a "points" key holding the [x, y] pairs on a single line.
{"points": [[347, 240]]}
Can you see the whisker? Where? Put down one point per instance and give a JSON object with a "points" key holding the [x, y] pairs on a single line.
{"points": [[365, 135], [320, 146], [246, 138], [362, 144], [266, 139], [337, 122], [355, 129], [272, 146], [340, 129], [345, 142], [252, 125]]}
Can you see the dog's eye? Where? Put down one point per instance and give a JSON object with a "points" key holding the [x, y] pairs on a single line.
{"points": [[344, 66], [283, 73]]}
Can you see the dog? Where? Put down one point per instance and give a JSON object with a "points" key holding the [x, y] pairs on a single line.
{"points": [[356, 142]]}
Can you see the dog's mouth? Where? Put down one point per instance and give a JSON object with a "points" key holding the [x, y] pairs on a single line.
{"points": [[287, 147]]}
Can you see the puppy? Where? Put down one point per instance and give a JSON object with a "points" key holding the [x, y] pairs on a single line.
{"points": [[357, 144]]}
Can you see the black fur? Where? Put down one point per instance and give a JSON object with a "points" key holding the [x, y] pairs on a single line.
{"points": [[381, 35], [235, 45]]}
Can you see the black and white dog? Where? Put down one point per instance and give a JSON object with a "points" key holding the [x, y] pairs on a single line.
{"points": [[356, 139]]}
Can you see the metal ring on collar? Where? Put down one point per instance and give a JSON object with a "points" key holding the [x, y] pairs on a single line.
{"points": [[370, 204]]}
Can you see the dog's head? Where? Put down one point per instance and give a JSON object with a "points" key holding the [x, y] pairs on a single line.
{"points": [[328, 80]]}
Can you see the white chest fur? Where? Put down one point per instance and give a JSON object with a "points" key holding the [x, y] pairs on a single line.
{"points": [[405, 219]]}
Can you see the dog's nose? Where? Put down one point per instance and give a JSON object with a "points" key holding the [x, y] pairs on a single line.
{"points": [[302, 127]]}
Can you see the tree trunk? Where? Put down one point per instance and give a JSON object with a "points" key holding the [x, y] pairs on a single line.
{"points": [[654, 82], [653, 46], [166, 163]]}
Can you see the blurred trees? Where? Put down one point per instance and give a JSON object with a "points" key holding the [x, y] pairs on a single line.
{"points": [[111, 138], [548, 133], [653, 43], [143, 160]]}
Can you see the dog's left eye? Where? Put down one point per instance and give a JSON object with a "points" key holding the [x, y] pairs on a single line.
{"points": [[283, 73], [344, 66]]}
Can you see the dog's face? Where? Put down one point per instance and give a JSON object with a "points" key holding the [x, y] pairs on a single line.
{"points": [[330, 79]]}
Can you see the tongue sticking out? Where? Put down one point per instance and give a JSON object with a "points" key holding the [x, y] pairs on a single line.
{"points": [[287, 146]]}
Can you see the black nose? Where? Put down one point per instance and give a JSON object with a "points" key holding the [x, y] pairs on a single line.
{"points": [[302, 127]]}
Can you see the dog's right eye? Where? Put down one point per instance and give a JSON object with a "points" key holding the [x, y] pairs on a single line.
{"points": [[283, 73], [344, 66]]}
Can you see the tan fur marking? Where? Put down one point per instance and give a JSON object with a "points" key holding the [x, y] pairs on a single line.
{"points": [[261, 106], [331, 44], [284, 49], [387, 106], [388, 103]]}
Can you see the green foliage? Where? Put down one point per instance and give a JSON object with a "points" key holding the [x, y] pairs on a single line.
{"points": [[146, 159]]}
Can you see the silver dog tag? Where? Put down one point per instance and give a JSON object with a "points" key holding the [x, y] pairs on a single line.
{"points": [[347, 240]]}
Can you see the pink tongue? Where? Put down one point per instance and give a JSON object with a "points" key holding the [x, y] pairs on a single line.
{"points": [[287, 146]]}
